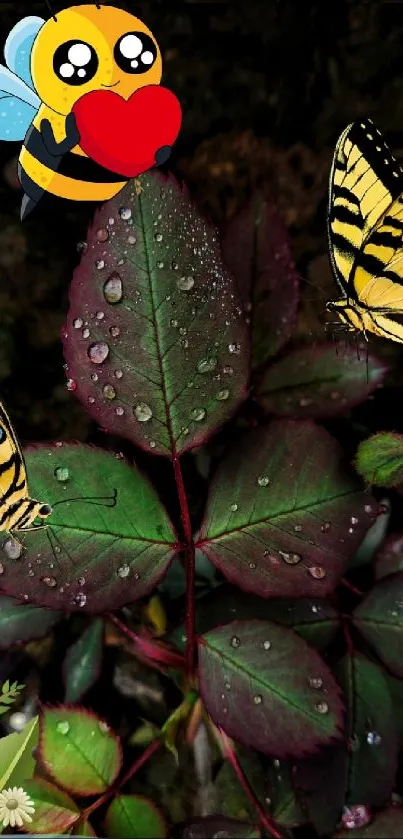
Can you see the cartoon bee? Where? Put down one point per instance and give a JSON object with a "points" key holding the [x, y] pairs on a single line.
{"points": [[49, 68]]}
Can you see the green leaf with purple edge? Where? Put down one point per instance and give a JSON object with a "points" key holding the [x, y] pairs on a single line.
{"points": [[256, 248], [83, 662], [284, 807], [388, 824], [55, 811], [321, 785], [219, 826], [134, 816], [230, 798], [155, 341], [19, 622], [380, 459], [379, 617], [373, 745], [93, 556], [252, 689], [283, 516], [389, 560], [316, 382], [78, 750], [83, 828]]}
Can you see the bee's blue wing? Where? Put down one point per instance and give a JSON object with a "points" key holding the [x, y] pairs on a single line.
{"points": [[18, 101]]}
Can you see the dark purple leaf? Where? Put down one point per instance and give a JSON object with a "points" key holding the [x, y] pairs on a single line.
{"points": [[23, 623], [252, 688], [380, 620], [219, 826], [283, 517], [256, 249], [316, 382], [386, 825], [83, 662], [390, 558], [321, 784], [155, 342]]}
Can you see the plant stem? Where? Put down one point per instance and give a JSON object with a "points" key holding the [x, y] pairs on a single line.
{"points": [[265, 820], [346, 583], [190, 623], [148, 648], [138, 763]]}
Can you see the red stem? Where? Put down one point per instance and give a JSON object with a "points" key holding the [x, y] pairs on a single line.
{"points": [[346, 583], [147, 648], [138, 763], [265, 820], [190, 623]]}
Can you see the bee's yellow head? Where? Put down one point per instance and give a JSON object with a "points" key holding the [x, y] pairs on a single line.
{"points": [[88, 48]]}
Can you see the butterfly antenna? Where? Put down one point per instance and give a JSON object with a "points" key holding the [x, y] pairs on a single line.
{"points": [[52, 14], [97, 500], [59, 546]]}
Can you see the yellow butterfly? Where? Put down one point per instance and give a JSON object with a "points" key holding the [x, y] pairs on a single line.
{"points": [[365, 232]]}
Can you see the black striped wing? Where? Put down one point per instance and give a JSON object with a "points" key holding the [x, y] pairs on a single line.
{"points": [[13, 479]]}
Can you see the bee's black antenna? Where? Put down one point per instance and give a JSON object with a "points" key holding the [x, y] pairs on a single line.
{"points": [[98, 5], [49, 5]]}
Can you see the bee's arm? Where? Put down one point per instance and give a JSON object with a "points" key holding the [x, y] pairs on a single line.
{"points": [[58, 149]]}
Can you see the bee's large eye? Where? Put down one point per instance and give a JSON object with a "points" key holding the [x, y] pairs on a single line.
{"points": [[75, 62], [135, 52]]}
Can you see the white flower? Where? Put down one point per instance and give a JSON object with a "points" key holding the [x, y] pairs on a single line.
{"points": [[15, 807]]}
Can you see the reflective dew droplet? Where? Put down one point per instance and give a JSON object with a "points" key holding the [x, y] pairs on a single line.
{"points": [[298, 528], [80, 599], [317, 572], [94, 377], [206, 365], [113, 288], [119, 411], [223, 394], [267, 645], [63, 727], [325, 527], [368, 508], [234, 349], [50, 582], [115, 331], [175, 265], [109, 392], [125, 213], [373, 738], [77, 323], [228, 370], [322, 707], [198, 414], [103, 727], [233, 508], [82, 247], [158, 237], [1, 568], [160, 264], [12, 549], [316, 682], [258, 699], [86, 332], [357, 815], [235, 641], [98, 353], [71, 385], [263, 481], [102, 234], [118, 374], [61, 474], [100, 315], [142, 412], [290, 558], [99, 264], [354, 520], [186, 283], [123, 571]]}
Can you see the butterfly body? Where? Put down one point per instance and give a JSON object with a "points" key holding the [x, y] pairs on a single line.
{"points": [[365, 232]]}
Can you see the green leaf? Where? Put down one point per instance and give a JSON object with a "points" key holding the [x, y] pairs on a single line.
{"points": [[55, 811], [285, 808], [390, 558], [380, 620], [83, 661], [167, 361], [316, 382], [380, 459], [283, 517], [78, 750], [19, 622], [94, 556], [253, 690], [6, 687], [16, 761], [230, 798], [83, 828], [372, 731], [134, 817], [386, 825], [396, 693]]}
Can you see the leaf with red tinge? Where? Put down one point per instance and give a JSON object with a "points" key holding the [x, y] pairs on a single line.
{"points": [[83, 828], [156, 343], [256, 249], [133, 815], [83, 662], [283, 517], [373, 745], [219, 826], [385, 825], [78, 750], [252, 689], [55, 811], [380, 620], [321, 785], [107, 542], [23, 623], [380, 459], [316, 382], [389, 560]]}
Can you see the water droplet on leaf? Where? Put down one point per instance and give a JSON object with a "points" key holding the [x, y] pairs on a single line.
{"points": [[142, 412], [119, 411], [206, 365], [234, 349], [98, 353], [158, 237], [102, 234], [233, 508], [290, 558], [71, 385], [12, 549], [50, 582], [113, 288], [322, 707], [118, 374], [99, 264], [198, 414], [109, 392], [115, 331], [263, 481], [357, 815], [80, 599], [373, 738], [222, 395], [125, 213], [63, 727], [228, 370], [235, 642], [258, 699], [317, 572], [186, 283], [267, 645], [61, 474], [123, 571], [82, 247], [86, 332], [316, 682], [77, 323]]}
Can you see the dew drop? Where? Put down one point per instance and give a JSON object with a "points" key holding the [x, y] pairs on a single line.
{"points": [[206, 365], [100, 315], [94, 377], [175, 265], [227, 686], [290, 558], [77, 323], [12, 549], [174, 323], [222, 395], [118, 374], [298, 528], [252, 566], [198, 414], [123, 571], [234, 349], [113, 288], [368, 508], [81, 581], [316, 682], [142, 412], [186, 283], [91, 400], [71, 385], [267, 645], [50, 582], [158, 237], [325, 527], [82, 247], [99, 264], [233, 508], [86, 332], [109, 392], [373, 738], [63, 727], [322, 707], [61, 474], [354, 520], [102, 234], [119, 411], [125, 213], [1, 569], [160, 264], [80, 599], [228, 370], [98, 353], [263, 481], [115, 331], [357, 815], [235, 641], [258, 699], [317, 572]]}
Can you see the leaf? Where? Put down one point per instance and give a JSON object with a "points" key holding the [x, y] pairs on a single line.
{"points": [[386, 825], [321, 784], [78, 750], [229, 797], [253, 690], [285, 808], [83, 662], [97, 557], [54, 810], [380, 459], [373, 538], [16, 761], [395, 687], [372, 731], [83, 828], [283, 517], [134, 816], [316, 382], [23, 623], [256, 249], [380, 620], [166, 359], [219, 826], [390, 557]]}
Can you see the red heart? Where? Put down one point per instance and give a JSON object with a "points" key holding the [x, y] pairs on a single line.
{"points": [[123, 135]]}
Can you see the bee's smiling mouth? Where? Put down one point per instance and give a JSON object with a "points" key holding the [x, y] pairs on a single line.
{"points": [[110, 85]]}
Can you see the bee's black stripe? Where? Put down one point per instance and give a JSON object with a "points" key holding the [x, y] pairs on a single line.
{"points": [[70, 165]]}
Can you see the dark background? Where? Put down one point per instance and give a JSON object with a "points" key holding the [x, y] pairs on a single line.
{"points": [[266, 87]]}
